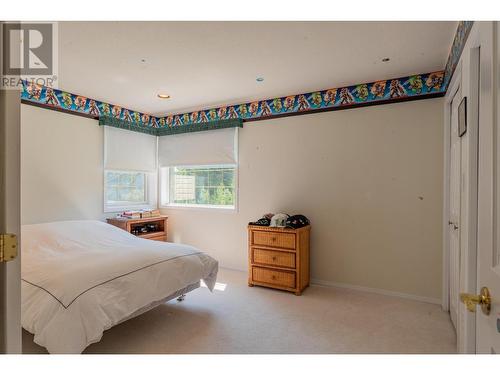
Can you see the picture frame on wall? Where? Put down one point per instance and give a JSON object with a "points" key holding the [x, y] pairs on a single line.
{"points": [[462, 117]]}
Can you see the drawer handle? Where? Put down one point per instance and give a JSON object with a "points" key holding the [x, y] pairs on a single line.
{"points": [[273, 239], [274, 258], [273, 277]]}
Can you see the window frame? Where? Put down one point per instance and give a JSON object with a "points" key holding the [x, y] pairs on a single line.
{"points": [[151, 192], [164, 194]]}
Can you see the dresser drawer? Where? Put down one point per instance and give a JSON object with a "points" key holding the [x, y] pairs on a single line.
{"points": [[274, 239], [273, 277], [273, 258]]}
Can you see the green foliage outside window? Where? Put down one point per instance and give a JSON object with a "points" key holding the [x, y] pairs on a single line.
{"points": [[125, 187], [203, 186]]}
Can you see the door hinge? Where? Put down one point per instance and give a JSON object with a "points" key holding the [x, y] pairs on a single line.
{"points": [[8, 247]]}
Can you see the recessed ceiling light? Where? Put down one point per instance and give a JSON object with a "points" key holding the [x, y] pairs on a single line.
{"points": [[259, 79], [164, 96], [386, 59]]}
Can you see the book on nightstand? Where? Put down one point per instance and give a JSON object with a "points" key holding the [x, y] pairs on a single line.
{"points": [[140, 214]]}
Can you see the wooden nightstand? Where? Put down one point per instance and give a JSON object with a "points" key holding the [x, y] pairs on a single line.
{"points": [[130, 224], [279, 257]]}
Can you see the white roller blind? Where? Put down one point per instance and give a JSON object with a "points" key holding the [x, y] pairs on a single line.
{"points": [[199, 148], [128, 150]]}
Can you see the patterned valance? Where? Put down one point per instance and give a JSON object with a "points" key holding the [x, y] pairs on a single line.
{"points": [[211, 125], [128, 125]]}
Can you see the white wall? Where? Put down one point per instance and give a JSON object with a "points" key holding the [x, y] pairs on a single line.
{"points": [[61, 166], [370, 181]]}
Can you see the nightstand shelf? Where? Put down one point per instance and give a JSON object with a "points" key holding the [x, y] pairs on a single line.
{"points": [[129, 224]]}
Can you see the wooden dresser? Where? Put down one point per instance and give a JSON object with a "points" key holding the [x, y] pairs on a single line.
{"points": [[130, 224], [278, 257]]}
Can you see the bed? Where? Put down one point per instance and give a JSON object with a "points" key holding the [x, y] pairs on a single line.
{"points": [[80, 278]]}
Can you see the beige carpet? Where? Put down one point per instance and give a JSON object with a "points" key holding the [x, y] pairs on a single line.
{"points": [[241, 319]]}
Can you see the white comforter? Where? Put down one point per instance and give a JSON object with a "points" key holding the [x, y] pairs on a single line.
{"points": [[83, 277]]}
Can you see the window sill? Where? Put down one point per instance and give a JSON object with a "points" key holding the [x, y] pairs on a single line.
{"points": [[199, 208], [113, 209]]}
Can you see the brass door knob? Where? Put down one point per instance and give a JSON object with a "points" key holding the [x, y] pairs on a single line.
{"points": [[483, 299]]}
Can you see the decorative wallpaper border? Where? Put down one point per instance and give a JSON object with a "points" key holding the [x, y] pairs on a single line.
{"points": [[461, 35], [62, 100], [412, 87], [391, 90]]}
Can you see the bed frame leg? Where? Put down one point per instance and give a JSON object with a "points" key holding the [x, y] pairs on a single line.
{"points": [[181, 297]]}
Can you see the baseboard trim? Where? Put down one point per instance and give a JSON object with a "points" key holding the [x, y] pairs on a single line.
{"points": [[233, 268], [435, 301]]}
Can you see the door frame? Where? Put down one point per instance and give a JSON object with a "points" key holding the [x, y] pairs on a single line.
{"points": [[10, 217], [488, 218], [10, 222], [453, 88], [466, 78]]}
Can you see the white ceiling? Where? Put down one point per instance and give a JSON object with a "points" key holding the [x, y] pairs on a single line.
{"points": [[205, 64]]}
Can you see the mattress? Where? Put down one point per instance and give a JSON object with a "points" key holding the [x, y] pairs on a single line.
{"points": [[80, 278]]}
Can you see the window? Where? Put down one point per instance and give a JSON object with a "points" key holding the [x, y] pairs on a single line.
{"points": [[199, 169], [125, 187], [125, 190], [130, 170], [199, 186]]}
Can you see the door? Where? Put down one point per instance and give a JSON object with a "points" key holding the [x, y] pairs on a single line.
{"points": [[488, 244], [454, 214]]}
